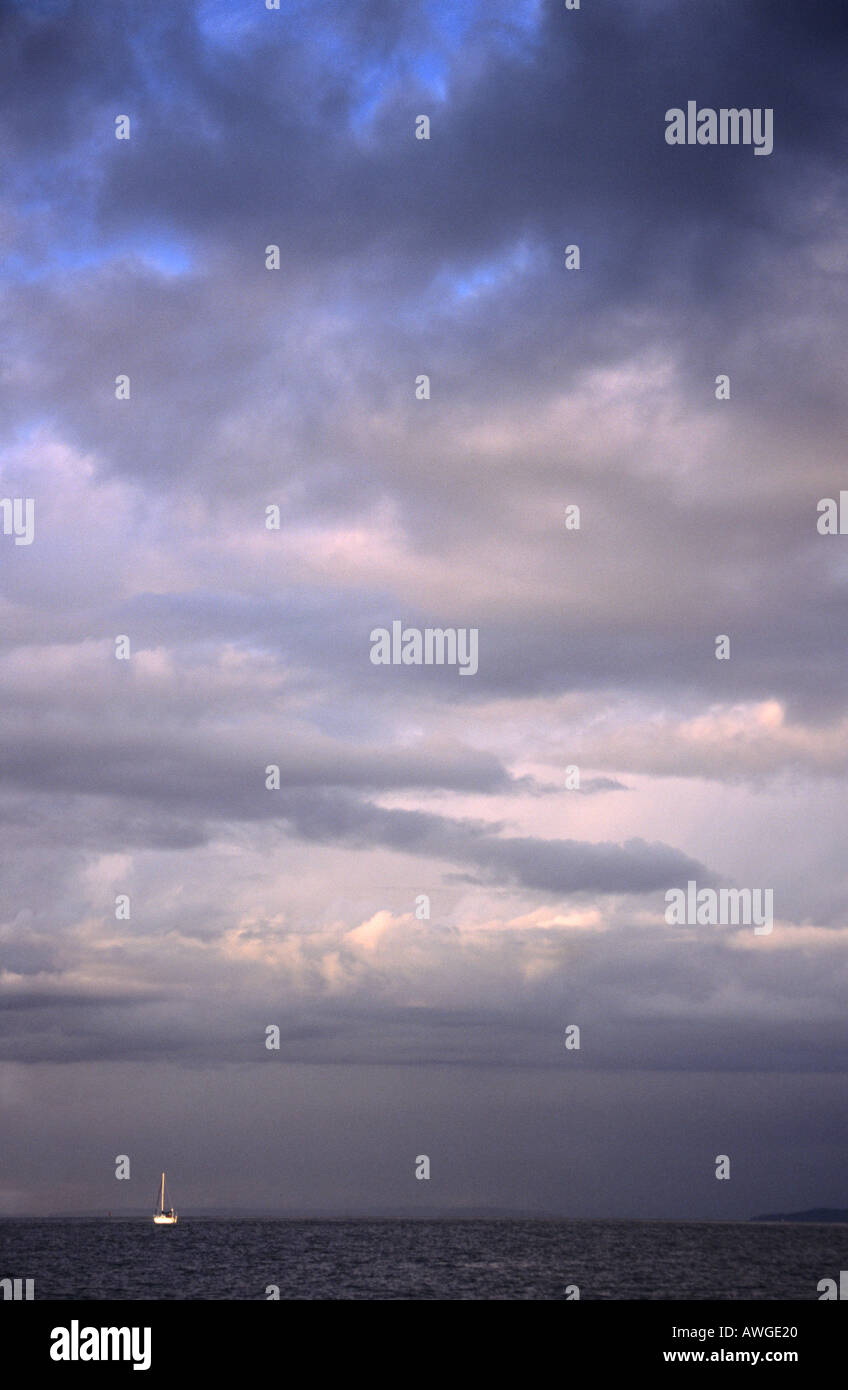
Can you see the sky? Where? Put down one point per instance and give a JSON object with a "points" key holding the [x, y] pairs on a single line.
{"points": [[403, 1034]]}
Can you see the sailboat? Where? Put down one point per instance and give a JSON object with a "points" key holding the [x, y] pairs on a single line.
{"points": [[161, 1217]]}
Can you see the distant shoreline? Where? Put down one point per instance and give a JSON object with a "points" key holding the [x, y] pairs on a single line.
{"points": [[816, 1215]]}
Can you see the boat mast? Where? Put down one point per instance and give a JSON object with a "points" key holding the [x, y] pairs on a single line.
{"points": [[162, 1198]]}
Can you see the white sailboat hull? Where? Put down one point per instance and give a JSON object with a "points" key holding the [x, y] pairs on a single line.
{"points": [[165, 1220]]}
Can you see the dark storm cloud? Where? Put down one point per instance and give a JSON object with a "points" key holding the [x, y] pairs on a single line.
{"points": [[227, 144], [545, 150], [534, 143], [797, 658], [551, 866], [197, 771], [503, 156], [640, 1002], [208, 784]]}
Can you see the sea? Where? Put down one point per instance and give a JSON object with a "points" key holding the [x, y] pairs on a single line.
{"points": [[417, 1259]]}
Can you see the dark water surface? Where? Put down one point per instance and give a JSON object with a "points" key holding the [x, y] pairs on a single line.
{"points": [[504, 1259]]}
